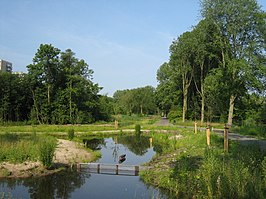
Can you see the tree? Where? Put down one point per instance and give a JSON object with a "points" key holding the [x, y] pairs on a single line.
{"points": [[167, 92], [206, 58], [241, 26], [181, 62], [43, 75], [15, 102], [62, 88]]}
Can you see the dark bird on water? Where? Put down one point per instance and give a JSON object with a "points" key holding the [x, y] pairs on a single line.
{"points": [[122, 158]]}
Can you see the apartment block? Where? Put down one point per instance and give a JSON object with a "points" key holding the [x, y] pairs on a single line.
{"points": [[5, 66]]}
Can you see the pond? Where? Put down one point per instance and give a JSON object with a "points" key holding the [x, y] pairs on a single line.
{"points": [[83, 184]]}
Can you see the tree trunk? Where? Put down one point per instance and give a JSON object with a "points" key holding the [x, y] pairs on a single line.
{"points": [[202, 109], [48, 94], [36, 107], [70, 103], [231, 110], [184, 104]]}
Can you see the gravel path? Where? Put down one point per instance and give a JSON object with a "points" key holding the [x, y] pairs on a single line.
{"points": [[245, 140], [164, 122]]}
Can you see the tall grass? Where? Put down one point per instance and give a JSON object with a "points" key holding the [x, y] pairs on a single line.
{"points": [[17, 148], [14, 149], [47, 149]]}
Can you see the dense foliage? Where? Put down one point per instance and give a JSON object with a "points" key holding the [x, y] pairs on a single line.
{"points": [[217, 71], [135, 101], [58, 89]]}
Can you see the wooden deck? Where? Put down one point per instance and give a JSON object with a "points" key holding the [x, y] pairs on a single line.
{"points": [[111, 169]]}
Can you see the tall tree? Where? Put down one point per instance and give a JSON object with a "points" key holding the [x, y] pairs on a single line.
{"points": [[43, 74], [205, 57], [168, 90], [241, 25], [181, 60], [62, 88]]}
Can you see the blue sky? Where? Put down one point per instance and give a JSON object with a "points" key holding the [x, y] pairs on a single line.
{"points": [[123, 41]]}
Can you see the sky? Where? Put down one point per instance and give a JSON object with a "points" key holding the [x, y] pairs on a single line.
{"points": [[123, 41]]}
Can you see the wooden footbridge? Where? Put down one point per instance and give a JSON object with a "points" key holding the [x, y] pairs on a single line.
{"points": [[111, 169]]}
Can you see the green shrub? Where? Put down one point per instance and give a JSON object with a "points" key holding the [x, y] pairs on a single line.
{"points": [[175, 114], [71, 134], [47, 149]]}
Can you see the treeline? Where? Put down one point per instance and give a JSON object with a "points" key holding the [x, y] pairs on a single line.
{"points": [[217, 71], [139, 101], [58, 89]]}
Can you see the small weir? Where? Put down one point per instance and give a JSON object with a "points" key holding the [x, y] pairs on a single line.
{"points": [[111, 169]]}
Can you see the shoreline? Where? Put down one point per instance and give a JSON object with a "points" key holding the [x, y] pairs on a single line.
{"points": [[67, 154]]}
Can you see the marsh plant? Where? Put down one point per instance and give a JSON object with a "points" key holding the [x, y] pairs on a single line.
{"points": [[71, 134], [47, 149], [15, 149]]}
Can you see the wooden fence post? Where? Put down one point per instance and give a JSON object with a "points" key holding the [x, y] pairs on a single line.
{"points": [[136, 170], [116, 171], [208, 135], [116, 124], [98, 168], [226, 138], [196, 128], [150, 139]]}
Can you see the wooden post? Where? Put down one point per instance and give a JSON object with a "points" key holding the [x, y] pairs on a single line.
{"points": [[196, 128], [98, 168], [116, 124], [208, 135], [226, 138], [116, 170], [150, 142], [136, 170]]}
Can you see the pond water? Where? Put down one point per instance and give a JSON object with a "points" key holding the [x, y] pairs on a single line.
{"points": [[82, 184]]}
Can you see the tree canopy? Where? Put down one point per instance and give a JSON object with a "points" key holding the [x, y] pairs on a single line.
{"points": [[58, 89], [217, 64]]}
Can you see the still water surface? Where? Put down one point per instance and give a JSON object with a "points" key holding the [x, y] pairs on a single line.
{"points": [[73, 184]]}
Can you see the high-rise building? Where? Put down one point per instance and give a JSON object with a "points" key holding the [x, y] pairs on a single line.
{"points": [[5, 66]]}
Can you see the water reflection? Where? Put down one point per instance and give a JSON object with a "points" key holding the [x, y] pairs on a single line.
{"points": [[93, 143], [59, 185], [136, 144]]}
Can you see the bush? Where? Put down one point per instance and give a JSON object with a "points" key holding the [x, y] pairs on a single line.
{"points": [[71, 134], [175, 114], [47, 149]]}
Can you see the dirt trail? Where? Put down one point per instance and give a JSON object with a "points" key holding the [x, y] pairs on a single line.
{"points": [[69, 152]]}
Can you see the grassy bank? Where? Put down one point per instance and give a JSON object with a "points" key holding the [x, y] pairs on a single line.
{"points": [[188, 169], [17, 148]]}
